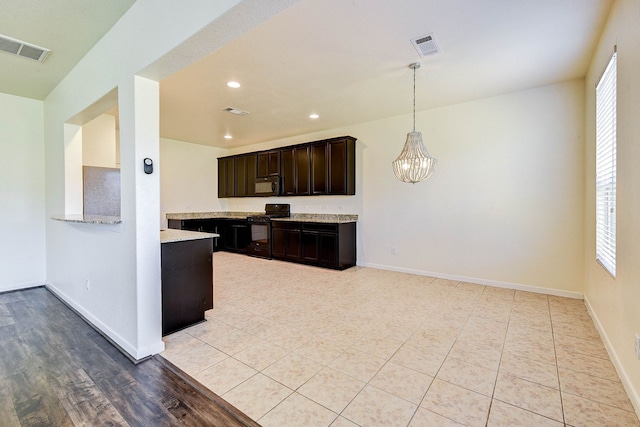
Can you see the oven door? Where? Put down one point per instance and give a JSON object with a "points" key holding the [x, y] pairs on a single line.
{"points": [[260, 245]]}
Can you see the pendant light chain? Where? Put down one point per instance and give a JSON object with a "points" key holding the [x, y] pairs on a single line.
{"points": [[414, 98]]}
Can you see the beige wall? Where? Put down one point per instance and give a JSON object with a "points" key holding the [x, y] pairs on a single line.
{"points": [[615, 303]]}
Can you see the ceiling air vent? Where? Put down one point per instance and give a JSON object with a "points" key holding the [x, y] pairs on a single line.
{"points": [[425, 45], [24, 49], [236, 111]]}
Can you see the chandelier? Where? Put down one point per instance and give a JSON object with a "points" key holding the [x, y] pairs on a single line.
{"points": [[414, 164]]}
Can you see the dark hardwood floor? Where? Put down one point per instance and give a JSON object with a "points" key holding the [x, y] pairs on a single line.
{"points": [[56, 370]]}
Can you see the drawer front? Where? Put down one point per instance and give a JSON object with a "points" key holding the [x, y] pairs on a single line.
{"points": [[321, 227], [285, 225]]}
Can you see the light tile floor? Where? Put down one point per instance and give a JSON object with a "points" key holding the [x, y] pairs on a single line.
{"points": [[294, 345]]}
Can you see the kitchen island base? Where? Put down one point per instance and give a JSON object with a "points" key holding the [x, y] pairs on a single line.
{"points": [[187, 283]]}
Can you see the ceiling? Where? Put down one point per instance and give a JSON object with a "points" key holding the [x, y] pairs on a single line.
{"points": [[346, 61], [69, 28]]}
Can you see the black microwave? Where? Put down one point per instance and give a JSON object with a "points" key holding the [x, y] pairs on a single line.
{"points": [[267, 186]]}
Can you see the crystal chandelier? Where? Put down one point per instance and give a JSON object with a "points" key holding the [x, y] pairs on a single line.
{"points": [[414, 164]]}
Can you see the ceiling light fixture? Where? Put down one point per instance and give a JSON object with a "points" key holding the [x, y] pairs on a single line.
{"points": [[414, 164], [234, 85], [313, 116], [236, 111], [227, 136]]}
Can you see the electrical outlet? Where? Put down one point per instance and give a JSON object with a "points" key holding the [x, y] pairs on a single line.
{"points": [[394, 250], [87, 284], [638, 345]]}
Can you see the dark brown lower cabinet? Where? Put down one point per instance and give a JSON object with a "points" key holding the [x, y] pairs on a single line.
{"points": [[187, 283], [235, 234], [320, 244], [285, 241], [331, 245]]}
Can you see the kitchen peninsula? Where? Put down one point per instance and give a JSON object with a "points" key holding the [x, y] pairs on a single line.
{"points": [[187, 278], [323, 240]]}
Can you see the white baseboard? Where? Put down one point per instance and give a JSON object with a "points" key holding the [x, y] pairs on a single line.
{"points": [[17, 287], [632, 392], [495, 283], [134, 354]]}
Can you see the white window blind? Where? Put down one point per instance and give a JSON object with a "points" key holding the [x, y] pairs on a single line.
{"points": [[606, 168]]}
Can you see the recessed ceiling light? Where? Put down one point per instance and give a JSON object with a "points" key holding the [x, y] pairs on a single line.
{"points": [[227, 136], [234, 85], [313, 116], [236, 111]]}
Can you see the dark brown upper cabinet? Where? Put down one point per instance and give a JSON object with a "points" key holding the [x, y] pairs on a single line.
{"points": [[333, 166], [342, 164], [245, 175], [296, 169], [226, 177], [319, 169], [326, 167], [268, 163]]}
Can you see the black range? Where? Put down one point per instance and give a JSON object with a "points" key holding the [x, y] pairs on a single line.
{"points": [[260, 229]]}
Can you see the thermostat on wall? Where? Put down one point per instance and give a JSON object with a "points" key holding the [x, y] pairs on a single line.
{"points": [[148, 165]]}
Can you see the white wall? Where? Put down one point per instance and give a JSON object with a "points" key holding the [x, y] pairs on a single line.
{"points": [[189, 177], [99, 142], [22, 225], [121, 263], [504, 206], [615, 303]]}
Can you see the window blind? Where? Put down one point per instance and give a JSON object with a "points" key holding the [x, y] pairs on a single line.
{"points": [[606, 168]]}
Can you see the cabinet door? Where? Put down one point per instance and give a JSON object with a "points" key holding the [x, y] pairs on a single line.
{"points": [[250, 165], [286, 241], [226, 177], [303, 170], [230, 182], [245, 175], [216, 226], [222, 178], [337, 167], [293, 248], [295, 171], [319, 181], [320, 244], [328, 249], [288, 174], [269, 163], [228, 236], [278, 242], [310, 242], [240, 176], [235, 236]]}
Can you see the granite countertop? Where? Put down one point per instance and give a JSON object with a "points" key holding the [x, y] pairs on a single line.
{"points": [[171, 235], [207, 215], [295, 217], [88, 219], [328, 218]]}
